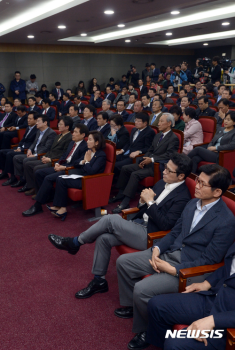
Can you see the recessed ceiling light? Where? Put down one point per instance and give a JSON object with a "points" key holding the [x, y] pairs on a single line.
{"points": [[127, 41], [168, 34], [175, 12], [225, 24], [61, 27], [205, 44], [121, 25], [109, 12], [83, 34], [30, 36]]}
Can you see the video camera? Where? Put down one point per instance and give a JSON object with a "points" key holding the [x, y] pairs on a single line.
{"points": [[205, 63], [225, 63]]}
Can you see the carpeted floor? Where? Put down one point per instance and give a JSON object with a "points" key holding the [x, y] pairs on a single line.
{"points": [[38, 283]]}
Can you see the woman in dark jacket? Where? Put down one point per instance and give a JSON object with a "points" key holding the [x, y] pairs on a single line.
{"points": [[92, 84], [118, 134], [224, 140], [81, 87], [94, 162], [44, 92]]}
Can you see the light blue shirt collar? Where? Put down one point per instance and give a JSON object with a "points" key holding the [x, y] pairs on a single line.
{"points": [[207, 206]]}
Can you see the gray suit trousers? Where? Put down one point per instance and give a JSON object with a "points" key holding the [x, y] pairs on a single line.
{"points": [[19, 162], [136, 292], [112, 231], [29, 171]]}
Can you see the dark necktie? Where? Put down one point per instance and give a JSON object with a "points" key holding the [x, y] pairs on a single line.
{"points": [[162, 135], [71, 150]]}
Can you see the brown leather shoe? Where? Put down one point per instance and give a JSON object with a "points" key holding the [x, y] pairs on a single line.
{"points": [[30, 192], [34, 196]]}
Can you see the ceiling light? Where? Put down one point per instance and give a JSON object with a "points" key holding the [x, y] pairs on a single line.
{"points": [[30, 36], [121, 25], [169, 33], [127, 41], [225, 24], [62, 27], [83, 34], [109, 12], [205, 44], [175, 12]]}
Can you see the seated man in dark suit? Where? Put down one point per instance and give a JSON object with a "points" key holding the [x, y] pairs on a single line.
{"points": [[17, 103], [160, 208], [198, 238], [7, 117], [6, 155], [163, 93], [89, 120], [138, 108], [146, 103], [58, 91], [223, 106], [14, 123], [103, 125], [45, 178], [141, 139], [32, 105], [121, 110], [54, 102], [79, 104], [65, 104], [71, 97], [182, 93], [170, 92], [57, 149], [143, 89], [49, 111], [163, 145], [39, 98], [227, 94], [43, 141], [73, 113], [203, 108], [96, 100], [203, 306], [109, 95]]}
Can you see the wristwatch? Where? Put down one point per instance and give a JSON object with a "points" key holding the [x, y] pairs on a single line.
{"points": [[150, 203]]}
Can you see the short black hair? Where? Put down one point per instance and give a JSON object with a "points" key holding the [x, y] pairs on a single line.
{"points": [[164, 90], [143, 116], [219, 176], [47, 100], [83, 128], [53, 94], [69, 90], [78, 97], [220, 86], [111, 79], [124, 75], [33, 76], [117, 83], [44, 118], [170, 85], [104, 115], [21, 108], [183, 162], [118, 120], [153, 64], [132, 94], [17, 98], [204, 98], [153, 89], [185, 91], [32, 98], [210, 87], [124, 87], [232, 115], [91, 109], [35, 114], [66, 94], [216, 58], [57, 83], [38, 94], [17, 72], [176, 109], [146, 95], [191, 113], [75, 107], [225, 101], [9, 103], [230, 92], [98, 136], [43, 85], [121, 101], [68, 121]]}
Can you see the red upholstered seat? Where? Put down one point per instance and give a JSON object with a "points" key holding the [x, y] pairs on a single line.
{"points": [[16, 140], [174, 99], [129, 126], [87, 97], [211, 94], [168, 105], [214, 108], [209, 127], [98, 110], [193, 106], [129, 111], [124, 249], [54, 123], [85, 102]]}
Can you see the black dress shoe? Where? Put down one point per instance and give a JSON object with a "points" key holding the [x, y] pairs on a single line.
{"points": [[64, 244], [24, 189], [124, 312], [8, 182], [116, 199], [138, 342], [32, 211], [3, 176], [18, 184], [95, 286], [119, 208]]}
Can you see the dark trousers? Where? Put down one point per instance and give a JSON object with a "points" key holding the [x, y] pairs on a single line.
{"points": [[61, 191], [166, 310], [122, 160], [131, 175], [5, 138], [44, 181], [200, 154], [6, 160], [30, 169]]}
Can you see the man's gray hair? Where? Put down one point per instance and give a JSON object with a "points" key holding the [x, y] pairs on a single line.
{"points": [[108, 102], [170, 118]]}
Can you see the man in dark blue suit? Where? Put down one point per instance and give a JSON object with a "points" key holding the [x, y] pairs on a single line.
{"points": [[103, 125], [54, 102], [89, 120], [143, 89], [199, 237], [58, 91], [141, 139], [49, 111], [138, 108], [96, 100], [45, 178], [121, 110], [65, 104], [155, 71], [109, 95], [32, 105], [204, 306], [112, 230], [7, 155]]}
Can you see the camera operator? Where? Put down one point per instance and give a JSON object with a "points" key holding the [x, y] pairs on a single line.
{"points": [[178, 77], [133, 76], [198, 71], [215, 71]]}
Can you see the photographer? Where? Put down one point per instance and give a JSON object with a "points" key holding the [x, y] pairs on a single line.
{"points": [[215, 71], [178, 77], [133, 76], [198, 70]]}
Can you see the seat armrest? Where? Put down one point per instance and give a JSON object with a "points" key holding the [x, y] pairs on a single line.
{"points": [[25, 150], [200, 144], [69, 168], [195, 271], [134, 159], [13, 146], [40, 155], [156, 235], [53, 161], [126, 212], [230, 342]]}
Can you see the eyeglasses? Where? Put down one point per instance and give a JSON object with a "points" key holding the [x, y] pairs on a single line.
{"points": [[168, 170], [201, 183]]}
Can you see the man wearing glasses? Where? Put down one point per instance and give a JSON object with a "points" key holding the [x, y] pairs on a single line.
{"points": [[160, 208], [202, 236]]}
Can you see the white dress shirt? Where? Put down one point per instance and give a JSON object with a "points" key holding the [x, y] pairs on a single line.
{"points": [[232, 271], [70, 157]]}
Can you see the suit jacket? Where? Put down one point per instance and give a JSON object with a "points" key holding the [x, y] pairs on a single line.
{"points": [[164, 215], [105, 130], [147, 108], [155, 73], [131, 118], [97, 103], [163, 150], [9, 121], [227, 142], [121, 97], [215, 73], [58, 148], [21, 123], [81, 107], [76, 120], [142, 142], [123, 138], [57, 104], [110, 97], [209, 112], [46, 142], [133, 78], [64, 107], [55, 92], [143, 91], [77, 155], [96, 165], [156, 121], [27, 140], [124, 115], [18, 86], [92, 125], [208, 241], [50, 113], [35, 109]]}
